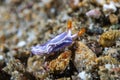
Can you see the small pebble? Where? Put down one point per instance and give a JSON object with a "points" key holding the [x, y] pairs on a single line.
{"points": [[108, 66], [95, 30], [95, 13], [113, 18], [21, 44], [109, 7], [83, 75], [1, 57]]}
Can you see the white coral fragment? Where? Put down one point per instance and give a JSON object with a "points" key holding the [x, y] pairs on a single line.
{"points": [[109, 7]]}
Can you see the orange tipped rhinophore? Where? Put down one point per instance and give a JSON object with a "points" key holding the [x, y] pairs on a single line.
{"points": [[69, 24], [81, 32]]}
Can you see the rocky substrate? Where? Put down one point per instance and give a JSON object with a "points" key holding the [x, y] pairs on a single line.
{"points": [[95, 55]]}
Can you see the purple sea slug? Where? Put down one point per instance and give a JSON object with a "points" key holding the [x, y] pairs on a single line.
{"points": [[60, 41]]}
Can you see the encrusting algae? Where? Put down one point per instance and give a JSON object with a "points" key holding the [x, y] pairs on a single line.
{"points": [[108, 38]]}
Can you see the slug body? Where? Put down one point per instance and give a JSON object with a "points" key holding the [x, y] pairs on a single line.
{"points": [[60, 41]]}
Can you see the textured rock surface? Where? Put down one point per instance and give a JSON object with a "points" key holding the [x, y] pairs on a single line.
{"points": [[84, 57]]}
